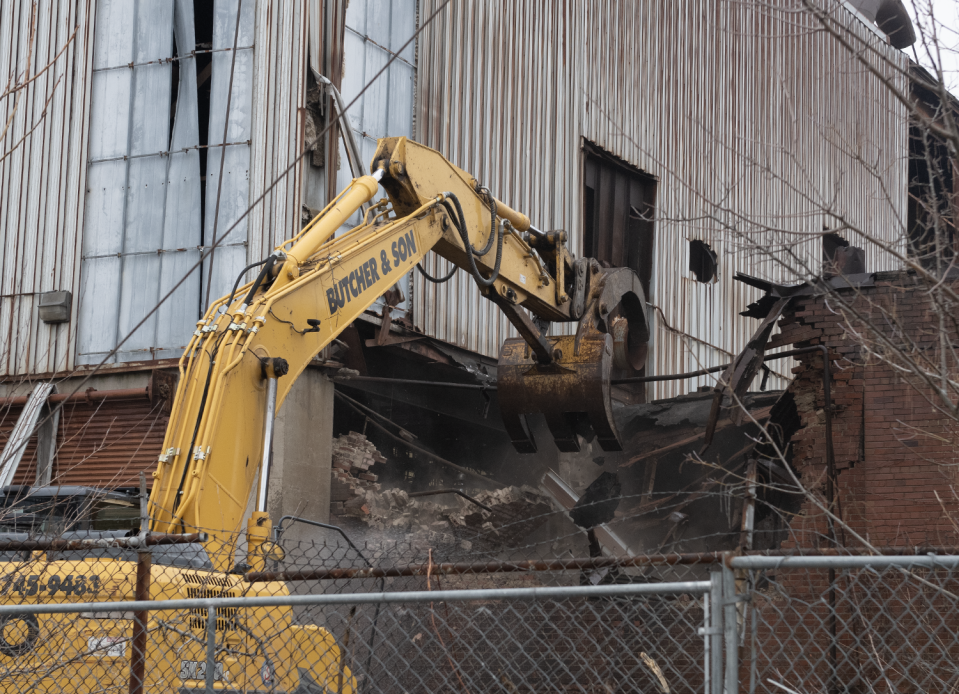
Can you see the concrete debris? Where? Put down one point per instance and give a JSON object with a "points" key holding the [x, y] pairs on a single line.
{"points": [[353, 455], [443, 519]]}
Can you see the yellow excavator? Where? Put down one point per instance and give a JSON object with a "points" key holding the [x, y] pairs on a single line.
{"points": [[237, 370]]}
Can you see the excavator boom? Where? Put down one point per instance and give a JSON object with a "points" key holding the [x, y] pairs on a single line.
{"points": [[251, 345]]}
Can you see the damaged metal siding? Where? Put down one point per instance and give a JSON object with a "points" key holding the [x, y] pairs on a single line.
{"points": [[143, 230], [42, 172], [740, 110]]}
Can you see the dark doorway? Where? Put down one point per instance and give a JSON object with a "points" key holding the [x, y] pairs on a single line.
{"points": [[618, 213]]}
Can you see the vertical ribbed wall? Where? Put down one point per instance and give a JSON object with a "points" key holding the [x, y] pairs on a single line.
{"points": [[42, 173], [754, 123]]}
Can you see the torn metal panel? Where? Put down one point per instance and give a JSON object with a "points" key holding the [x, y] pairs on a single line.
{"points": [[741, 372], [24, 429]]}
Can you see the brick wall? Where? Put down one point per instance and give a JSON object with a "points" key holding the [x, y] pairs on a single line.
{"points": [[894, 450], [894, 453]]}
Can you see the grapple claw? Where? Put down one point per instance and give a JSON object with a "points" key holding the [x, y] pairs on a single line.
{"points": [[571, 391]]}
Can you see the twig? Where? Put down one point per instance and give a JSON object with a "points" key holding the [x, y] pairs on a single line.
{"points": [[43, 114], [46, 67]]}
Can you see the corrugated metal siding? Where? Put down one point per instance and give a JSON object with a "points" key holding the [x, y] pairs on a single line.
{"points": [[103, 444], [279, 91], [42, 174], [107, 444], [742, 111]]}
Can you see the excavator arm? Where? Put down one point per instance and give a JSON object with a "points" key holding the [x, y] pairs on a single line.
{"points": [[252, 345]]}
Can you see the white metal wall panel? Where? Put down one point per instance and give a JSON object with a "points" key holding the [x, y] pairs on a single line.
{"points": [[42, 171], [141, 222], [279, 91], [375, 32], [228, 203], [753, 121]]}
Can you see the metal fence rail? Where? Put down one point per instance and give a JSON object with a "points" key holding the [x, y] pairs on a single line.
{"points": [[803, 624]]}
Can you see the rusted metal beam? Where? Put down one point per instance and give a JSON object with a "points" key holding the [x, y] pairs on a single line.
{"points": [[459, 569], [99, 543], [453, 569]]}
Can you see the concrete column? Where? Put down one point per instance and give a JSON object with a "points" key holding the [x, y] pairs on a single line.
{"points": [[302, 454]]}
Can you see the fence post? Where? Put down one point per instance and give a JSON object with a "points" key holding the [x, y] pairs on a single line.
{"points": [[730, 627], [715, 631], [138, 645], [210, 648]]}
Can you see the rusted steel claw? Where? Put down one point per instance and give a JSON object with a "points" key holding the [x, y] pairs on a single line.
{"points": [[571, 391]]}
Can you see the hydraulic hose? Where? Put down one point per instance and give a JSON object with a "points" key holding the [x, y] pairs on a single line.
{"points": [[472, 252], [239, 278], [270, 262], [436, 280]]}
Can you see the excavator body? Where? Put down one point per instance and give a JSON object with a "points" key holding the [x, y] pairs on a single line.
{"points": [[237, 370]]}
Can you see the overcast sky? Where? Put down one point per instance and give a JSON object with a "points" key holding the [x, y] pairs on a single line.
{"points": [[946, 16]]}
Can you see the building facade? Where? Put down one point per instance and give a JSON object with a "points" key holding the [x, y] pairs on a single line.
{"points": [[151, 152]]}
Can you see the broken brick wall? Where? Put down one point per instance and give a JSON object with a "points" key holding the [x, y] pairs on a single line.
{"points": [[894, 453], [894, 450]]}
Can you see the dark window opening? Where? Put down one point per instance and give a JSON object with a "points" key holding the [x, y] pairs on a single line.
{"points": [[832, 242], [619, 203], [839, 258], [203, 30], [932, 192], [703, 262]]}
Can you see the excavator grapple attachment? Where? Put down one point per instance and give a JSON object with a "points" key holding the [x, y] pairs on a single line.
{"points": [[572, 392], [572, 387]]}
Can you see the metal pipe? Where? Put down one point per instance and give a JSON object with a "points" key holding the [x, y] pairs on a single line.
{"points": [[707, 641], [210, 648], [99, 543], [452, 569], [715, 631], [140, 617], [423, 596], [730, 630], [434, 492], [267, 444], [844, 562]]}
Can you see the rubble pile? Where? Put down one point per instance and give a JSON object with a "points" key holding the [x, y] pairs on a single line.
{"points": [[352, 482], [449, 518], [441, 519]]}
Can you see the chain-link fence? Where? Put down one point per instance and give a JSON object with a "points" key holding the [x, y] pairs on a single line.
{"points": [[400, 616]]}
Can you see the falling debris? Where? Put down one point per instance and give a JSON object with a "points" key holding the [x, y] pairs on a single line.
{"points": [[598, 503]]}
